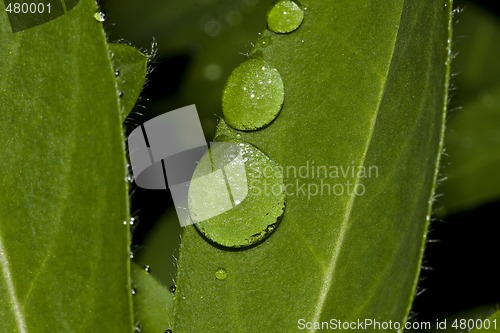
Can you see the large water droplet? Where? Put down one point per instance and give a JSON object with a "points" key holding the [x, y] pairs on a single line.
{"points": [[100, 16], [286, 16], [221, 274], [253, 95], [236, 195]]}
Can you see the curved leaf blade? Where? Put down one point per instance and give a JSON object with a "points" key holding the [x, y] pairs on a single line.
{"points": [[153, 303], [366, 99], [130, 67], [63, 244]]}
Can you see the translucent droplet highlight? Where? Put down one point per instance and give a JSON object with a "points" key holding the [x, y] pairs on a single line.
{"points": [[252, 187], [253, 95], [221, 274], [285, 16], [100, 16]]}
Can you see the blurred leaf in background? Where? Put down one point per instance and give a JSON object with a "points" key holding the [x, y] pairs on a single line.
{"points": [[473, 134]]}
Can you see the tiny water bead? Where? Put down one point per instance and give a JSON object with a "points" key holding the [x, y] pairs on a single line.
{"points": [[100, 16], [173, 288], [117, 73], [147, 269], [134, 291], [221, 274], [285, 16], [247, 184], [253, 95]]}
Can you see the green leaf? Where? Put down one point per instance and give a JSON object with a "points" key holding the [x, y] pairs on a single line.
{"points": [[495, 325], [64, 263], [153, 303], [473, 135], [365, 85], [160, 248], [473, 158], [130, 67]]}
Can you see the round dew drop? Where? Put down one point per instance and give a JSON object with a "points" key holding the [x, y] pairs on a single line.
{"points": [[100, 16], [236, 197], [253, 95], [285, 16], [221, 274]]}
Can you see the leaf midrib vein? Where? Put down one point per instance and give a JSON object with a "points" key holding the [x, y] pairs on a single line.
{"points": [[345, 222], [16, 308]]}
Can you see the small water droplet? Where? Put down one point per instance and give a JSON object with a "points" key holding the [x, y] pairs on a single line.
{"points": [[131, 254], [125, 222], [132, 221], [129, 178], [137, 328], [147, 269], [168, 330], [100, 16], [120, 94], [221, 274], [117, 73], [134, 291], [285, 16], [240, 107], [262, 43], [173, 288], [244, 205]]}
